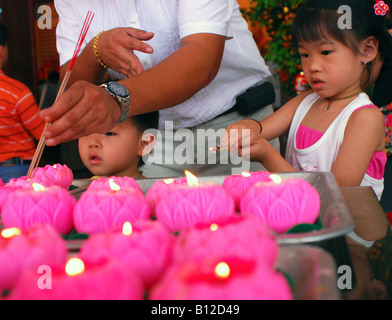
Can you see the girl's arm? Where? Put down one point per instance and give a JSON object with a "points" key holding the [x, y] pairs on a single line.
{"points": [[273, 126], [363, 136]]}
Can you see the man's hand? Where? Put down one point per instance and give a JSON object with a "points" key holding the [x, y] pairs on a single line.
{"points": [[83, 109], [116, 49]]}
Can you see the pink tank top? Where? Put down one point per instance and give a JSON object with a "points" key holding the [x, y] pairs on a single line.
{"points": [[307, 137]]}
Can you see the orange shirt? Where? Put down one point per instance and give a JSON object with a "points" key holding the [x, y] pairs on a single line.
{"points": [[20, 122]]}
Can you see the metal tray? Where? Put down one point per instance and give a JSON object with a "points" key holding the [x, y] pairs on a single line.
{"points": [[334, 213]]}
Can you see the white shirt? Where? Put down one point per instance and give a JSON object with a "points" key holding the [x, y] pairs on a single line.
{"points": [[171, 20]]}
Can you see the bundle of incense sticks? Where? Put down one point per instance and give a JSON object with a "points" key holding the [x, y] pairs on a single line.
{"points": [[41, 144]]}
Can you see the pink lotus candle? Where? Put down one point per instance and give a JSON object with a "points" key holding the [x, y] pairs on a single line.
{"points": [[60, 175], [122, 182], [79, 279], [243, 236], [145, 247], [160, 188], [26, 207], [1, 183], [209, 278], [284, 204], [187, 206], [237, 185], [99, 210], [21, 251], [56, 175]]}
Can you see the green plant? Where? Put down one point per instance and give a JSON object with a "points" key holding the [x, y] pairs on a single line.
{"points": [[276, 17]]}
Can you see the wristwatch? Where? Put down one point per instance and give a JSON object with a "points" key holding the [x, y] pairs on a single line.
{"points": [[121, 95]]}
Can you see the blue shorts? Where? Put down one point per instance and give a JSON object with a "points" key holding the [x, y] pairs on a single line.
{"points": [[13, 171]]}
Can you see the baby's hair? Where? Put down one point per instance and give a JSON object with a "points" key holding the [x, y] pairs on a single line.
{"points": [[145, 122], [319, 19]]}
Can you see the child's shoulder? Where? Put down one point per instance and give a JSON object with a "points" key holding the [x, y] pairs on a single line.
{"points": [[297, 100]]}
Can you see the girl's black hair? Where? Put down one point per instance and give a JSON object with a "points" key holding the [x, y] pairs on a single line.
{"points": [[320, 19]]}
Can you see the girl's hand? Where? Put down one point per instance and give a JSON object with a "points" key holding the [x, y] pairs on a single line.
{"points": [[241, 134], [116, 48], [83, 109]]}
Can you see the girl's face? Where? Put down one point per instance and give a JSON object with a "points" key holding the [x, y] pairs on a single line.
{"points": [[331, 68], [115, 153]]}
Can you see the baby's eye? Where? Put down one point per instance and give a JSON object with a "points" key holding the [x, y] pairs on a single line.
{"points": [[326, 52], [110, 133], [304, 55]]}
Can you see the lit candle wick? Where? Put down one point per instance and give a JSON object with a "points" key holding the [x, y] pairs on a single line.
{"points": [[275, 178], [127, 229], [214, 227], [74, 267], [11, 232], [114, 186], [222, 270], [191, 179]]}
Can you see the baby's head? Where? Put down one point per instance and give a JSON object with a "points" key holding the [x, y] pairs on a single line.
{"points": [[120, 151]]}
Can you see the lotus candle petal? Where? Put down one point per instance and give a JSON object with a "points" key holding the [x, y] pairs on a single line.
{"points": [[160, 188], [237, 185], [59, 175], [122, 182], [146, 250], [21, 251], [23, 182], [243, 236], [100, 210], [209, 278], [5, 193], [105, 279], [188, 206], [282, 205], [26, 207]]}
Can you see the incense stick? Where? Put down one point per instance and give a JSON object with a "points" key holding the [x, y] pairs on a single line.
{"points": [[221, 147], [41, 144]]}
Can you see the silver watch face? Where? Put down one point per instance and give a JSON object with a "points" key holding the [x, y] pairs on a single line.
{"points": [[118, 89]]}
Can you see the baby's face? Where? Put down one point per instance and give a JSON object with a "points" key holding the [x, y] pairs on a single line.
{"points": [[115, 153]]}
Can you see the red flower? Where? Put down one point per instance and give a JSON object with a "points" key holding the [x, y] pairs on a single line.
{"points": [[389, 216]]}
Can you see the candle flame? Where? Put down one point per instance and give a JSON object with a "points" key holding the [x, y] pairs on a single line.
{"points": [[168, 181], [114, 186], [214, 227], [222, 270], [246, 174], [38, 187], [275, 178], [127, 229], [191, 178], [55, 166], [74, 267], [11, 232]]}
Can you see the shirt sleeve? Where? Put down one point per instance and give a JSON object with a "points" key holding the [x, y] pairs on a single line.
{"points": [[205, 16], [28, 113], [67, 29]]}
